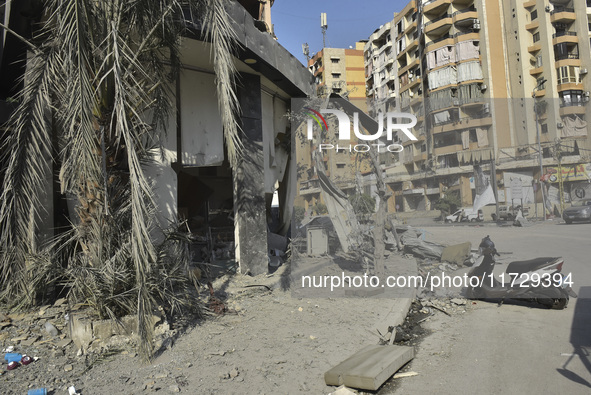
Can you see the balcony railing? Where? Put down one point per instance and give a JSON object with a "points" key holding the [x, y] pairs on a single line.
{"points": [[447, 36], [568, 80], [567, 56], [469, 9], [561, 9], [565, 33], [438, 19], [577, 102]]}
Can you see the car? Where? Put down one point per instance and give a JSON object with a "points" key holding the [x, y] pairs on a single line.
{"points": [[465, 214], [580, 210], [508, 213]]}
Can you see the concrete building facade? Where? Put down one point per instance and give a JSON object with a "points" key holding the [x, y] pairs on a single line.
{"points": [[467, 70]]}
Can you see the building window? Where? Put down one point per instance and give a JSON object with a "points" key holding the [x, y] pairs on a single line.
{"points": [[544, 128], [539, 61], [539, 83], [341, 165], [336, 90], [536, 37], [568, 74], [334, 61], [572, 98], [534, 15], [336, 75]]}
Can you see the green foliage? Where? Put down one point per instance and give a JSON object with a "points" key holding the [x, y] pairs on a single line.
{"points": [[363, 203], [449, 203], [320, 209], [298, 215]]}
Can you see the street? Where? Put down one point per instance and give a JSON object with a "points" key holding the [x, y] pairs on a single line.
{"points": [[518, 347]]}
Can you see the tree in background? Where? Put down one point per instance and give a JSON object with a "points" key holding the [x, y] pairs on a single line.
{"points": [[448, 204]]}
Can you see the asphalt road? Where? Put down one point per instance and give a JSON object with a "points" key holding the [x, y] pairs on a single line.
{"points": [[515, 348]]}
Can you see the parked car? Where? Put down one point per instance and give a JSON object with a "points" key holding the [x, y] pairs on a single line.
{"points": [[579, 211], [508, 213], [465, 214]]}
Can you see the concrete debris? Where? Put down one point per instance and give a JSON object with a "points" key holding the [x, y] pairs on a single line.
{"points": [[342, 390], [405, 374], [447, 306], [369, 368], [340, 211], [457, 253], [420, 248]]}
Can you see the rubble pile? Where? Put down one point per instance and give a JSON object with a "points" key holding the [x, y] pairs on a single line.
{"points": [[49, 351]]}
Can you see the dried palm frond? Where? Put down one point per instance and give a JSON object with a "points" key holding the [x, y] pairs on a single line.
{"points": [[100, 86]]}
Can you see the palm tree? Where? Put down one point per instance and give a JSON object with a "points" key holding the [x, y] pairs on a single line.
{"points": [[97, 89]]}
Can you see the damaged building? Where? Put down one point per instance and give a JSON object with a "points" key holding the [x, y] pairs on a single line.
{"points": [[228, 212]]}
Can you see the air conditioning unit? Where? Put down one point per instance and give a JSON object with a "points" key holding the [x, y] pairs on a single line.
{"points": [[587, 94], [483, 87], [548, 9], [476, 21], [559, 125], [583, 71], [456, 102], [411, 94], [476, 26]]}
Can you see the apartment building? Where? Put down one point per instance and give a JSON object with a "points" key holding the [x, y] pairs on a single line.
{"points": [[341, 71], [467, 69]]}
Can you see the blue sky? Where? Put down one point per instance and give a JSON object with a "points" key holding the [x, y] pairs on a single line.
{"points": [[298, 21]]}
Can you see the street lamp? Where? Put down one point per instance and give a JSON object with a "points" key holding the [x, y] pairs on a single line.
{"points": [[533, 94]]}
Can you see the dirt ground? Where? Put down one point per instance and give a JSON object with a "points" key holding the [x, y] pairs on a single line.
{"points": [[271, 342]]}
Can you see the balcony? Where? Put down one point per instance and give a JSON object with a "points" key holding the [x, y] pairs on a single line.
{"points": [[565, 37], [440, 42], [532, 26], [450, 149], [420, 156], [569, 83], [413, 44], [573, 108], [439, 25], [411, 27], [569, 56], [536, 47], [465, 17], [536, 71], [409, 66], [562, 15], [436, 6], [529, 4]]}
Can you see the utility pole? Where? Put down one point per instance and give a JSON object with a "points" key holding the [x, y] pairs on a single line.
{"points": [[493, 180], [558, 155], [539, 86]]}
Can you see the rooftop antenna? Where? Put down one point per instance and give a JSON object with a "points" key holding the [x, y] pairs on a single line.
{"points": [[306, 50], [324, 26]]}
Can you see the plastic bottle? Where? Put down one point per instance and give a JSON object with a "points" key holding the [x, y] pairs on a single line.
{"points": [[38, 391], [12, 357]]}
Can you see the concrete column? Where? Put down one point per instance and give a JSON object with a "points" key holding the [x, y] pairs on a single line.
{"points": [[465, 191], [249, 183], [392, 200]]}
